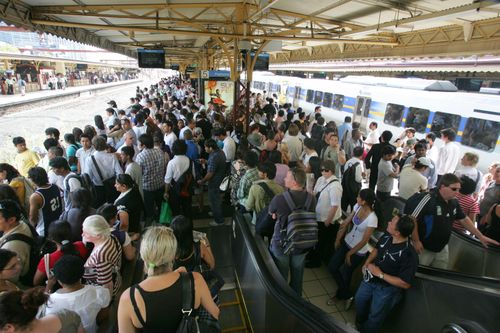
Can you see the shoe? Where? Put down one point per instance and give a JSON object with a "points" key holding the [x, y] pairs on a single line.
{"points": [[332, 301], [348, 303], [210, 214], [215, 224]]}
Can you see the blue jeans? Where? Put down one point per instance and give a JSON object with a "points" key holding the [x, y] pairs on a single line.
{"points": [[341, 272], [293, 263], [215, 201], [374, 301]]}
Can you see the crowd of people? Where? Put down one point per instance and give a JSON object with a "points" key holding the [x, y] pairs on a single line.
{"points": [[98, 192]]}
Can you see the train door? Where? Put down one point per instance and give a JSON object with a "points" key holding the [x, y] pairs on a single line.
{"points": [[296, 98], [361, 112]]}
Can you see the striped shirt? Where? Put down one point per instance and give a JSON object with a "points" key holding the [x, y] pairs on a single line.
{"points": [[103, 265], [469, 205]]}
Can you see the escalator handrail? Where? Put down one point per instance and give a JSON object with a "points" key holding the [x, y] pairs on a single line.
{"points": [[270, 277], [476, 242]]}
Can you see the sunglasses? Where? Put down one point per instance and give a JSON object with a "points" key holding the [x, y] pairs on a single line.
{"points": [[454, 189], [325, 170]]}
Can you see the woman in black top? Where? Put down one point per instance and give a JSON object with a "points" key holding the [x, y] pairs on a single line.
{"points": [[129, 203], [155, 304], [492, 219]]}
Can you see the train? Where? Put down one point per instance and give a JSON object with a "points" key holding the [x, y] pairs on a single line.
{"points": [[395, 104]]}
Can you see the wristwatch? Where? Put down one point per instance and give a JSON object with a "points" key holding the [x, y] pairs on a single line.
{"points": [[381, 276]]}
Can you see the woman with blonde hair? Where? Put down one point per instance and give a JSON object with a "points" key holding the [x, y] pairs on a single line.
{"points": [[155, 304], [102, 268]]}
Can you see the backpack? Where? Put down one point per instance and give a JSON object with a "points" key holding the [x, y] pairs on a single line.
{"points": [[350, 186], [38, 247], [300, 232], [86, 183], [186, 182], [264, 224]]}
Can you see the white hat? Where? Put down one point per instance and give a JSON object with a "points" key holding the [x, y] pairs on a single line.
{"points": [[425, 161]]}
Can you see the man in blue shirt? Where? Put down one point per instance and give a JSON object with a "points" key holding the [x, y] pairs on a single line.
{"points": [[344, 129]]}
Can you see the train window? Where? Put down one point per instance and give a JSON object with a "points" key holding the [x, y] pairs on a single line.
{"points": [[318, 97], [481, 134], [297, 93], [338, 102], [291, 92], [393, 114], [327, 100], [310, 96], [417, 118], [302, 94], [444, 120]]}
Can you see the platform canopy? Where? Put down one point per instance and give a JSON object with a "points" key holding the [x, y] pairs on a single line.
{"points": [[208, 32]]}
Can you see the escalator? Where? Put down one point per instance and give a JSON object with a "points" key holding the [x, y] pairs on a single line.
{"points": [[439, 301]]}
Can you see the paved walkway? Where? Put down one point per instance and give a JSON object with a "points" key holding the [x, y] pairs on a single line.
{"points": [[10, 100]]}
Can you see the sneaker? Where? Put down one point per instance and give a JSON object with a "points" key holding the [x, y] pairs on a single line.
{"points": [[215, 224], [348, 303], [210, 214], [332, 301]]}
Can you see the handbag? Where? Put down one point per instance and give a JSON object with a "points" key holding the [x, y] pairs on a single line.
{"points": [[165, 213], [189, 323], [110, 191], [224, 185]]}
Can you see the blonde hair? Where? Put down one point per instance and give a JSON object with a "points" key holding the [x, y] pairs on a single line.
{"points": [[472, 157], [158, 248], [97, 226]]}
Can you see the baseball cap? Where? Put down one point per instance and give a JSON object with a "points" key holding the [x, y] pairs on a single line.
{"points": [[425, 161]]}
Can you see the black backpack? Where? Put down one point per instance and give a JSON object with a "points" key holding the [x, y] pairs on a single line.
{"points": [[38, 247], [350, 186]]}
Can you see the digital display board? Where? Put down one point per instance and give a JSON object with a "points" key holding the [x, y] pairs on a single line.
{"points": [[151, 58], [261, 64]]}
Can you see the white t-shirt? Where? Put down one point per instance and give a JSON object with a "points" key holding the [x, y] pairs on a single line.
{"points": [[330, 196], [82, 154], [87, 302], [176, 167], [411, 181], [169, 139], [358, 230], [306, 157], [229, 149]]}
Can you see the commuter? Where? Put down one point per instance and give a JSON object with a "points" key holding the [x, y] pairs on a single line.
{"points": [[352, 179], [491, 194], [53, 178], [9, 175], [85, 151], [344, 130], [412, 179], [309, 151], [130, 202], [449, 155], [19, 309], [467, 202], [175, 178], [334, 153], [47, 144], [22, 86], [153, 164], [389, 269], [407, 135], [11, 226], [259, 195], [111, 121], [387, 171], [81, 208], [229, 146], [10, 269], [129, 131], [328, 193], [488, 179], [100, 128], [468, 167], [373, 135], [374, 156], [353, 141], [295, 181], [351, 247], [430, 173], [103, 265], [169, 136], [216, 166], [295, 145], [432, 148], [85, 300], [250, 177], [25, 158], [238, 169], [191, 124], [71, 183], [131, 167], [71, 148], [435, 213], [164, 288], [102, 167], [60, 235], [46, 203], [128, 141]]}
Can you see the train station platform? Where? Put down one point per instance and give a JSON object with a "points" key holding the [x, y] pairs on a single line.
{"points": [[14, 103]]}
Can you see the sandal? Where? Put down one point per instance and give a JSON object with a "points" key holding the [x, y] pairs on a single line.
{"points": [[332, 301]]}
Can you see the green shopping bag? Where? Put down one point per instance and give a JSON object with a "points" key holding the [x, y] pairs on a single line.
{"points": [[166, 213]]}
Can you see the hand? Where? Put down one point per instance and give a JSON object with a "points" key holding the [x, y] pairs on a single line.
{"points": [[348, 258], [200, 182], [486, 241], [51, 282], [374, 270], [165, 196], [181, 269], [202, 161], [418, 246]]}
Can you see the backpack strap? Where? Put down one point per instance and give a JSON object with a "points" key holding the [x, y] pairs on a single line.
{"points": [[97, 168], [289, 200], [331, 181], [19, 237], [267, 189], [187, 282], [134, 304]]}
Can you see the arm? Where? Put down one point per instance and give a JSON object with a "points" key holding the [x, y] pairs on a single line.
{"points": [[203, 297], [35, 204], [207, 255], [343, 229], [123, 217], [331, 215], [39, 277], [366, 237], [342, 158], [125, 310], [417, 244], [467, 224], [205, 179], [487, 218], [129, 250], [391, 279]]}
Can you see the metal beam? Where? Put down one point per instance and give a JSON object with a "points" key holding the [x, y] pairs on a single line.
{"points": [[100, 8]]}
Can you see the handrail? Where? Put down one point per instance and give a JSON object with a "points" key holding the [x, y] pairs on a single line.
{"points": [[475, 241], [274, 284]]}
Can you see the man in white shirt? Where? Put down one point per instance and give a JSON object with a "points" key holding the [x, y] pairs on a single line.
{"points": [[84, 152], [432, 148], [169, 136], [412, 179], [468, 168], [449, 155], [191, 124], [229, 144], [175, 169], [328, 191], [295, 145], [128, 141]]}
